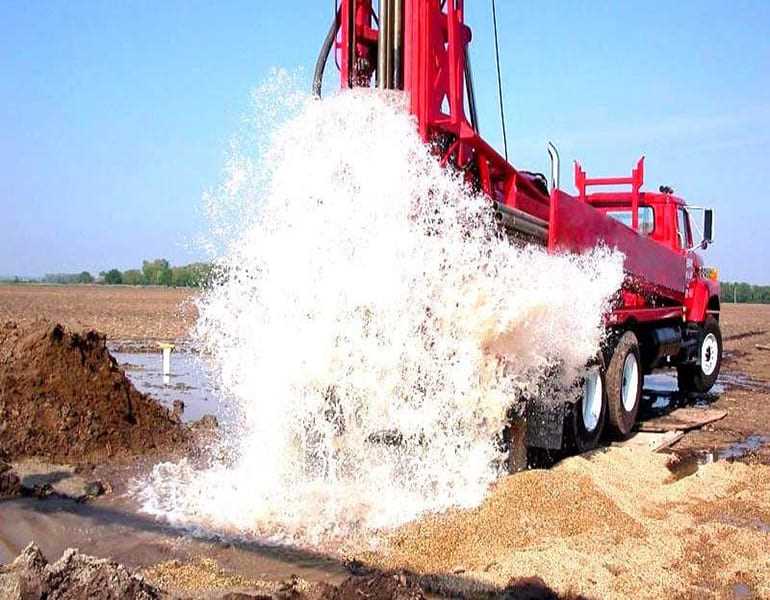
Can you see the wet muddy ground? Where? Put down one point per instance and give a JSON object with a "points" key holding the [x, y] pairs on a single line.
{"points": [[732, 504], [745, 383]]}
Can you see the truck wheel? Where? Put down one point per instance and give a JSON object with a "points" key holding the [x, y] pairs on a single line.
{"points": [[624, 382], [590, 411], [701, 377]]}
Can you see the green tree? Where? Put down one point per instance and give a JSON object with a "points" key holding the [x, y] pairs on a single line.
{"points": [[733, 291], [133, 277], [192, 275], [85, 277], [181, 277], [113, 277], [744, 292], [157, 272]]}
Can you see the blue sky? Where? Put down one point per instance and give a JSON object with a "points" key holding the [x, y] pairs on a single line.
{"points": [[115, 116]]}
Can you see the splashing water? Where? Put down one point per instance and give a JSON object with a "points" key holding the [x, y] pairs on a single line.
{"points": [[373, 329]]}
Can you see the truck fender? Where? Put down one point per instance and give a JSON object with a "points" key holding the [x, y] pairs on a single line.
{"points": [[702, 298]]}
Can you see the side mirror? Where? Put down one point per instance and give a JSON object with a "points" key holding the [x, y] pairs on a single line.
{"points": [[708, 227]]}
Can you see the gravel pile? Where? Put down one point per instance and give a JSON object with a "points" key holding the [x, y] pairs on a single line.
{"points": [[614, 525]]}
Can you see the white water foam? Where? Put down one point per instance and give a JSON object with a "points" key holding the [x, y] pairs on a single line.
{"points": [[373, 329]]}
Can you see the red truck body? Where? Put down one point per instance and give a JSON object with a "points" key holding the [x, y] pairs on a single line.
{"points": [[421, 47]]}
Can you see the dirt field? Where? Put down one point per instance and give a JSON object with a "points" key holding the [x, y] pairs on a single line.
{"points": [[746, 380], [616, 523], [121, 313], [619, 523]]}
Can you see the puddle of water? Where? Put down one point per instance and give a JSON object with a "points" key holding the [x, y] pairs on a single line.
{"points": [[189, 382], [111, 527], [741, 591], [661, 395], [744, 381], [687, 463], [740, 449]]}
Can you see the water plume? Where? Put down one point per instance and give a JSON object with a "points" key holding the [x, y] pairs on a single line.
{"points": [[372, 328]]}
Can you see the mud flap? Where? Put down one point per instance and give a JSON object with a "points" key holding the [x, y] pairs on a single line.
{"points": [[545, 424]]}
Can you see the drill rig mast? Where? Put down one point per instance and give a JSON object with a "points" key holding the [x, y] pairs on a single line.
{"points": [[421, 48], [667, 312]]}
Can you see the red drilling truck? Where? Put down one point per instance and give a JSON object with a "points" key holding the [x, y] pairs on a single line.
{"points": [[667, 312]]}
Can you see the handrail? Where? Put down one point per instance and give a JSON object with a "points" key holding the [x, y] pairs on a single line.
{"points": [[635, 181]]}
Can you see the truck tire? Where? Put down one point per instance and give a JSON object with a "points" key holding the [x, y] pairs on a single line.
{"points": [[700, 378], [589, 413], [623, 381]]}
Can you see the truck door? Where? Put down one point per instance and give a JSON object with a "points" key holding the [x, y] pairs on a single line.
{"points": [[684, 239], [683, 228]]}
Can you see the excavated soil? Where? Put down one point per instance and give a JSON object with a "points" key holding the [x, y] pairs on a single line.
{"points": [[74, 576], [63, 397], [616, 524], [77, 576]]}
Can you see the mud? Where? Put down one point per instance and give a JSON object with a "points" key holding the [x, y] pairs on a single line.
{"points": [[30, 577], [10, 483], [63, 397], [77, 576], [615, 524], [190, 382]]}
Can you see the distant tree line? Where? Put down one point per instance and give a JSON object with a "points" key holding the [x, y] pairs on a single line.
{"points": [[160, 272], [741, 292], [153, 272], [82, 277]]}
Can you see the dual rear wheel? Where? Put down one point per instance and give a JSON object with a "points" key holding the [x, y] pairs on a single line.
{"points": [[610, 396]]}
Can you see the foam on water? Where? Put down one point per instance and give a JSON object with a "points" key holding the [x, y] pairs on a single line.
{"points": [[369, 291]]}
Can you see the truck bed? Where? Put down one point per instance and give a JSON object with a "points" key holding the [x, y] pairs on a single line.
{"points": [[575, 226]]}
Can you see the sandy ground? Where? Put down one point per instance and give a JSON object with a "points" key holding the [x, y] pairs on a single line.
{"points": [[120, 312], [616, 523], [621, 523]]}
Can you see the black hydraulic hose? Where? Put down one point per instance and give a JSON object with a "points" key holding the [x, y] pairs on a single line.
{"points": [[469, 91], [326, 49], [499, 80]]}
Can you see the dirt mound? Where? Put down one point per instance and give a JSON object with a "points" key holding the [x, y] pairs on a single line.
{"points": [[10, 485], [63, 396], [73, 576]]}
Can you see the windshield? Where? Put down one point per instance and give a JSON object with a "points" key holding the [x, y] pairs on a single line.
{"points": [[646, 218]]}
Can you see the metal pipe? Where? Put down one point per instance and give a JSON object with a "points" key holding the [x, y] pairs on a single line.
{"points": [[381, 45], [389, 47], [555, 168], [518, 220], [398, 44]]}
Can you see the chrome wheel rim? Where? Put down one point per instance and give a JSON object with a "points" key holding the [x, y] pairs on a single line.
{"points": [[709, 353], [592, 399], [630, 386]]}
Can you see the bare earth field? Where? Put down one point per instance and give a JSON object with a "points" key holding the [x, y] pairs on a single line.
{"points": [[120, 312], [616, 523]]}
